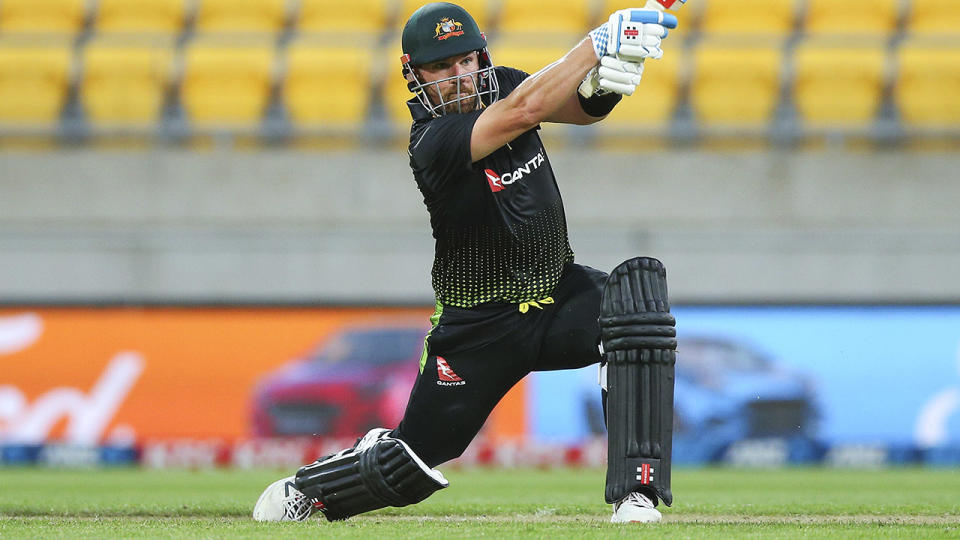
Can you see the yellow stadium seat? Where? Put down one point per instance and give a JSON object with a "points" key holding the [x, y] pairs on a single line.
{"points": [[34, 79], [928, 84], [529, 55], [227, 84], [735, 85], [237, 16], [137, 16], [535, 17], [653, 104], [838, 85], [478, 9], [395, 97], [934, 17], [327, 86], [851, 17], [353, 17], [124, 81], [395, 92], [760, 17], [42, 16]]}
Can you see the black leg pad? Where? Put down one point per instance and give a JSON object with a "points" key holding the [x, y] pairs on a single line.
{"points": [[638, 335], [359, 480]]}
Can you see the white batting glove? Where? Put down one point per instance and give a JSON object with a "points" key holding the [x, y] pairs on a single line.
{"points": [[632, 34], [619, 76]]}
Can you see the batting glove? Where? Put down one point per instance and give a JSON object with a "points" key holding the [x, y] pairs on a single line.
{"points": [[619, 76], [632, 34]]}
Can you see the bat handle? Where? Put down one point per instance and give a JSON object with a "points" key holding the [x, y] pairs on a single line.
{"points": [[590, 84]]}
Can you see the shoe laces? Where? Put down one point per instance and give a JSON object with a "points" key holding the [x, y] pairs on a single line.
{"points": [[297, 507], [638, 499]]}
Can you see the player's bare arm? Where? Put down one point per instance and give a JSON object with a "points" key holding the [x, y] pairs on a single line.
{"points": [[547, 95], [612, 54]]}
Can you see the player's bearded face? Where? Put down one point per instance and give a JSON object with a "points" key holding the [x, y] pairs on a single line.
{"points": [[455, 81]]}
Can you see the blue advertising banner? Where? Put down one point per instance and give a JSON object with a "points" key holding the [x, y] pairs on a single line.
{"points": [[810, 376]]}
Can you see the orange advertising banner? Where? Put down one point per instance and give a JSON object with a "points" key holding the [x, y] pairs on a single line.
{"points": [[102, 375]]}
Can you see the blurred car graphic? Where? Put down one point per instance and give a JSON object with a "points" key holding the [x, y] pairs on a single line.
{"points": [[358, 379], [727, 392]]}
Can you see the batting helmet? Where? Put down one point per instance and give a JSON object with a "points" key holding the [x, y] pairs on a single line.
{"points": [[442, 30]]}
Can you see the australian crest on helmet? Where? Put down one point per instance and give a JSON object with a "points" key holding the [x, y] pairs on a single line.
{"points": [[448, 28]]}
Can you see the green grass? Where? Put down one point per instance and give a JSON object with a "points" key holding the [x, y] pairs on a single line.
{"points": [[710, 503]]}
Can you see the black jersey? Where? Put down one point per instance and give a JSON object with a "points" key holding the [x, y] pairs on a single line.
{"points": [[499, 225]]}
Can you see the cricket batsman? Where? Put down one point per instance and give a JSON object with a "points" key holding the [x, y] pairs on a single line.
{"points": [[509, 297]]}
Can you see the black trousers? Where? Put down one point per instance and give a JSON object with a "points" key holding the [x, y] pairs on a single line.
{"points": [[474, 356]]}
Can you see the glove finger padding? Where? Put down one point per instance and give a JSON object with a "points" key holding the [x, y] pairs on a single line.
{"points": [[619, 76], [639, 52], [647, 16], [657, 30], [624, 89], [628, 74], [619, 64], [607, 74]]}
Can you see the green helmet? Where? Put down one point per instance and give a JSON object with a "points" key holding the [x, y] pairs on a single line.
{"points": [[441, 30]]}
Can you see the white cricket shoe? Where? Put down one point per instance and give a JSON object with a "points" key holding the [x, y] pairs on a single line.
{"points": [[282, 501], [635, 508]]}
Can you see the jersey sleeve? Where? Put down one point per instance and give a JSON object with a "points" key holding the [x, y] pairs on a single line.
{"points": [[509, 79], [440, 148]]}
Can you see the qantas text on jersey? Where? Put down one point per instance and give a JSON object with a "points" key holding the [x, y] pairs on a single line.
{"points": [[499, 182]]}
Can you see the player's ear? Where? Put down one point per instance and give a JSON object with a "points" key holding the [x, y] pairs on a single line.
{"points": [[412, 74], [411, 80]]}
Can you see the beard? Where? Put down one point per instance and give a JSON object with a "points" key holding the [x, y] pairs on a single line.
{"points": [[469, 98], [467, 103]]}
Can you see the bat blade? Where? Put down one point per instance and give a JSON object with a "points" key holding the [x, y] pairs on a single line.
{"points": [[668, 4]]}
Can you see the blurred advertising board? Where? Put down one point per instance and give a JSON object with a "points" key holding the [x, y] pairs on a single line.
{"points": [[87, 376], [797, 383], [848, 385]]}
